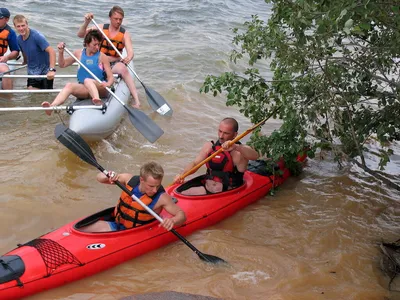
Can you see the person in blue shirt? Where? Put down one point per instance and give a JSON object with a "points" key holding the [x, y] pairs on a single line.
{"points": [[37, 53], [8, 39], [87, 86]]}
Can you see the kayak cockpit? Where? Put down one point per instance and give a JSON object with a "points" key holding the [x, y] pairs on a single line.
{"points": [[104, 215], [108, 216], [11, 268], [260, 167]]}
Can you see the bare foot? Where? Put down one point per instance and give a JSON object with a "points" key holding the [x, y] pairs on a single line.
{"points": [[97, 101], [47, 104], [136, 105]]}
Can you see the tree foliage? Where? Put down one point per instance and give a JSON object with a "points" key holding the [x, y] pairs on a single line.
{"points": [[335, 75]]}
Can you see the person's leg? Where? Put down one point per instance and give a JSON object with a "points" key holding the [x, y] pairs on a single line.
{"points": [[210, 187], [48, 84], [76, 89], [195, 191], [34, 84], [120, 68], [93, 88], [99, 226], [7, 83]]}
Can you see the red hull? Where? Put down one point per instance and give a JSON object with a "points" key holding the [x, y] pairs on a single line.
{"points": [[69, 258]]}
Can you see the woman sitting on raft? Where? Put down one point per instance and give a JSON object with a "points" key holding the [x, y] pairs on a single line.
{"points": [[87, 86]]}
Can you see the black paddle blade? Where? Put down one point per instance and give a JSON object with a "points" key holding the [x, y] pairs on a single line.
{"points": [[146, 126], [76, 144], [211, 259], [157, 102]]}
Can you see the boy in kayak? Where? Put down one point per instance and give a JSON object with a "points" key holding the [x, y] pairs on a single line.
{"points": [[121, 39], [8, 39], [37, 53], [147, 187], [86, 86], [225, 171]]}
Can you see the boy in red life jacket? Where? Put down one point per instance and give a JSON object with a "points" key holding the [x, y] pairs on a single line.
{"points": [[225, 171], [147, 187]]}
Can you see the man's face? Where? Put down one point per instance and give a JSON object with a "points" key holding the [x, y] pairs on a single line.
{"points": [[149, 186], [116, 19], [21, 27], [225, 132], [3, 22]]}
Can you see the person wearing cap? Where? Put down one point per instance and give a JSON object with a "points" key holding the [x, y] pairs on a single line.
{"points": [[8, 39], [37, 53]]}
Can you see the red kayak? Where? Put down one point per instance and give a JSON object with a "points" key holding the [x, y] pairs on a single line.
{"points": [[68, 254]]}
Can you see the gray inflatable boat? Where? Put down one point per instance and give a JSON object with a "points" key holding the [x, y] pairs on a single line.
{"points": [[96, 124]]}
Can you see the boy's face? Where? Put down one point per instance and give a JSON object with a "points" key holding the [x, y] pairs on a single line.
{"points": [[21, 27]]}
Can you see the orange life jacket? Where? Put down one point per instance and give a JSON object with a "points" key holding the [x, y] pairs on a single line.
{"points": [[130, 213], [4, 40], [117, 40]]}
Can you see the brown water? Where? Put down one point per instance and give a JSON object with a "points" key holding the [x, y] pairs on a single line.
{"points": [[317, 238]]}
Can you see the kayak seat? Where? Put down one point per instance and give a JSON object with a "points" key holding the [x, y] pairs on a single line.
{"points": [[197, 181], [105, 215], [11, 268], [262, 167]]}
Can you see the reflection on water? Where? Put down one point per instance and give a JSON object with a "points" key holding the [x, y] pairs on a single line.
{"points": [[315, 239]]}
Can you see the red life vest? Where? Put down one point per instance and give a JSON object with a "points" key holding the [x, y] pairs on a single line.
{"points": [[130, 213], [4, 40], [222, 169], [117, 40]]}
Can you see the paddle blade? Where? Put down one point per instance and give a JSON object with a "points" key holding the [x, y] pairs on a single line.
{"points": [[76, 144], [146, 126], [211, 259], [157, 102]]}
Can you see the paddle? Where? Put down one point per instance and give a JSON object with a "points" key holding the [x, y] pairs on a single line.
{"points": [[156, 101], [69, 108], [139, 119], [196, 167], [77, 145], [10, 71]]}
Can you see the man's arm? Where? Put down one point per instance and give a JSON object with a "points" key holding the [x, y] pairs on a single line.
{"points": [[246, 151], [52, 61], [203, 154], [128, 47], [179, 217], [83, 29], [123, 178]]}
